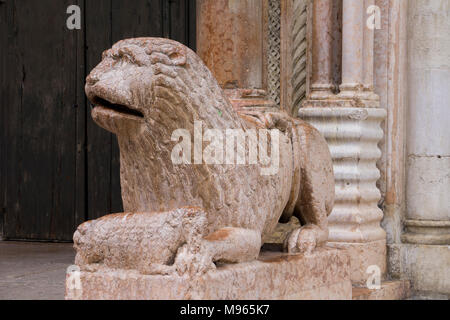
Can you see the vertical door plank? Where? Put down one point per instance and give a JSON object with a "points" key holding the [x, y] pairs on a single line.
{"points": [[42, 117], [192, 24], [3, 119], [99, 141], [81, 125], [178, 20], [139, 18]]}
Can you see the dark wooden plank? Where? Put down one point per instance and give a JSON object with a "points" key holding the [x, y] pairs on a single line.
{"points": [[41, 133], [138, 18], [178, 20], [99, 141], [12, 130], [80, 213], [64, 222], [182, 22], [165, 16], [192, 24], [3, 119]]}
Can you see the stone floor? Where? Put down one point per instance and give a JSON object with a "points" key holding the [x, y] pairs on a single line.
{"points": [[31, 270]]}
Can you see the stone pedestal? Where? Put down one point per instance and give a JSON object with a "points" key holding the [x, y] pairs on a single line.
{"points": [[325, 274]]}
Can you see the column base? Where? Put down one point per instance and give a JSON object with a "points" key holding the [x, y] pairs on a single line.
{"points": [[342, 101], [426, 266], [363, 255], [390, 290], [352, 135], [427, 232], [325, 274]]}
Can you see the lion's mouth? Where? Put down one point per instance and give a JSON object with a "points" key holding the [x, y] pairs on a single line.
{"points": [[117, 108]]}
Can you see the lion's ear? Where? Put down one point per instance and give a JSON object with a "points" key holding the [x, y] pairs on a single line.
{"points": [[174, 53], [177, 55]]}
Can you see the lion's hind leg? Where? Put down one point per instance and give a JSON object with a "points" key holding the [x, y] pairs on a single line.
{"points": [[316, 196]]}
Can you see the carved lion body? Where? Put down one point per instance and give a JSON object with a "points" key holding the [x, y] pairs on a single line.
{"points": [[143, 90]]}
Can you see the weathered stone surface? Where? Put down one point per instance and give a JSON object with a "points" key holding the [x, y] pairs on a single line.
{"points": [[362, 256], [184, 216], [322, 275], [427, 266], [233, 48], [390, 290]]}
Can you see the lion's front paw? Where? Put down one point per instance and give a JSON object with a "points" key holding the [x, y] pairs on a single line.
{"points": [[303, 240], [193, 262]]}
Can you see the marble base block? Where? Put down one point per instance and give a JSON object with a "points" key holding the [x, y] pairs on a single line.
{"points": [[362, 256], [390, 290], [325, 274]]}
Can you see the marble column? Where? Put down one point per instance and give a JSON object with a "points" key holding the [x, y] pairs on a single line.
{"points": [[368, 57], [428, 133], [352, 47], [414, 86], [231, 41], [350, 122], [322, 76]]}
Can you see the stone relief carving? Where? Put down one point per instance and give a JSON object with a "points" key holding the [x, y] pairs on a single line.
{"points": [[274, 50], [299, 53], [184, 218]]}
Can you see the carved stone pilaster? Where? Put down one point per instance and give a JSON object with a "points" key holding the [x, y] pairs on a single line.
{"points": [[274, 50], [351, 123]]}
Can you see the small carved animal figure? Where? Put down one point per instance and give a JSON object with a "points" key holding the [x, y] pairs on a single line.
{"points": [[184, 217]]}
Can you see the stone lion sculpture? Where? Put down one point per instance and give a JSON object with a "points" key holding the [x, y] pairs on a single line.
{"points": [[185, 217]]}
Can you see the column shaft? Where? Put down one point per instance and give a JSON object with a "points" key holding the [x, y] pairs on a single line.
{"points": [[368, 53], [352, 44], [230, 41], [322, 77]]}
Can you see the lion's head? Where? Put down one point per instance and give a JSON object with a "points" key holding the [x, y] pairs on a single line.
{"points": [[154, 81]]}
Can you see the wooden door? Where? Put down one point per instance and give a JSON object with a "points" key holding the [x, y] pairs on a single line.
{"points": [[57, 167]]}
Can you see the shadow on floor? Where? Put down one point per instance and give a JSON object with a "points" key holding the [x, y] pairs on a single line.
{"points": [[30, 270]]}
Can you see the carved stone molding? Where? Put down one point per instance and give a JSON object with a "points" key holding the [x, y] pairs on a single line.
{"points": [[427, 232], [352, 135]]}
